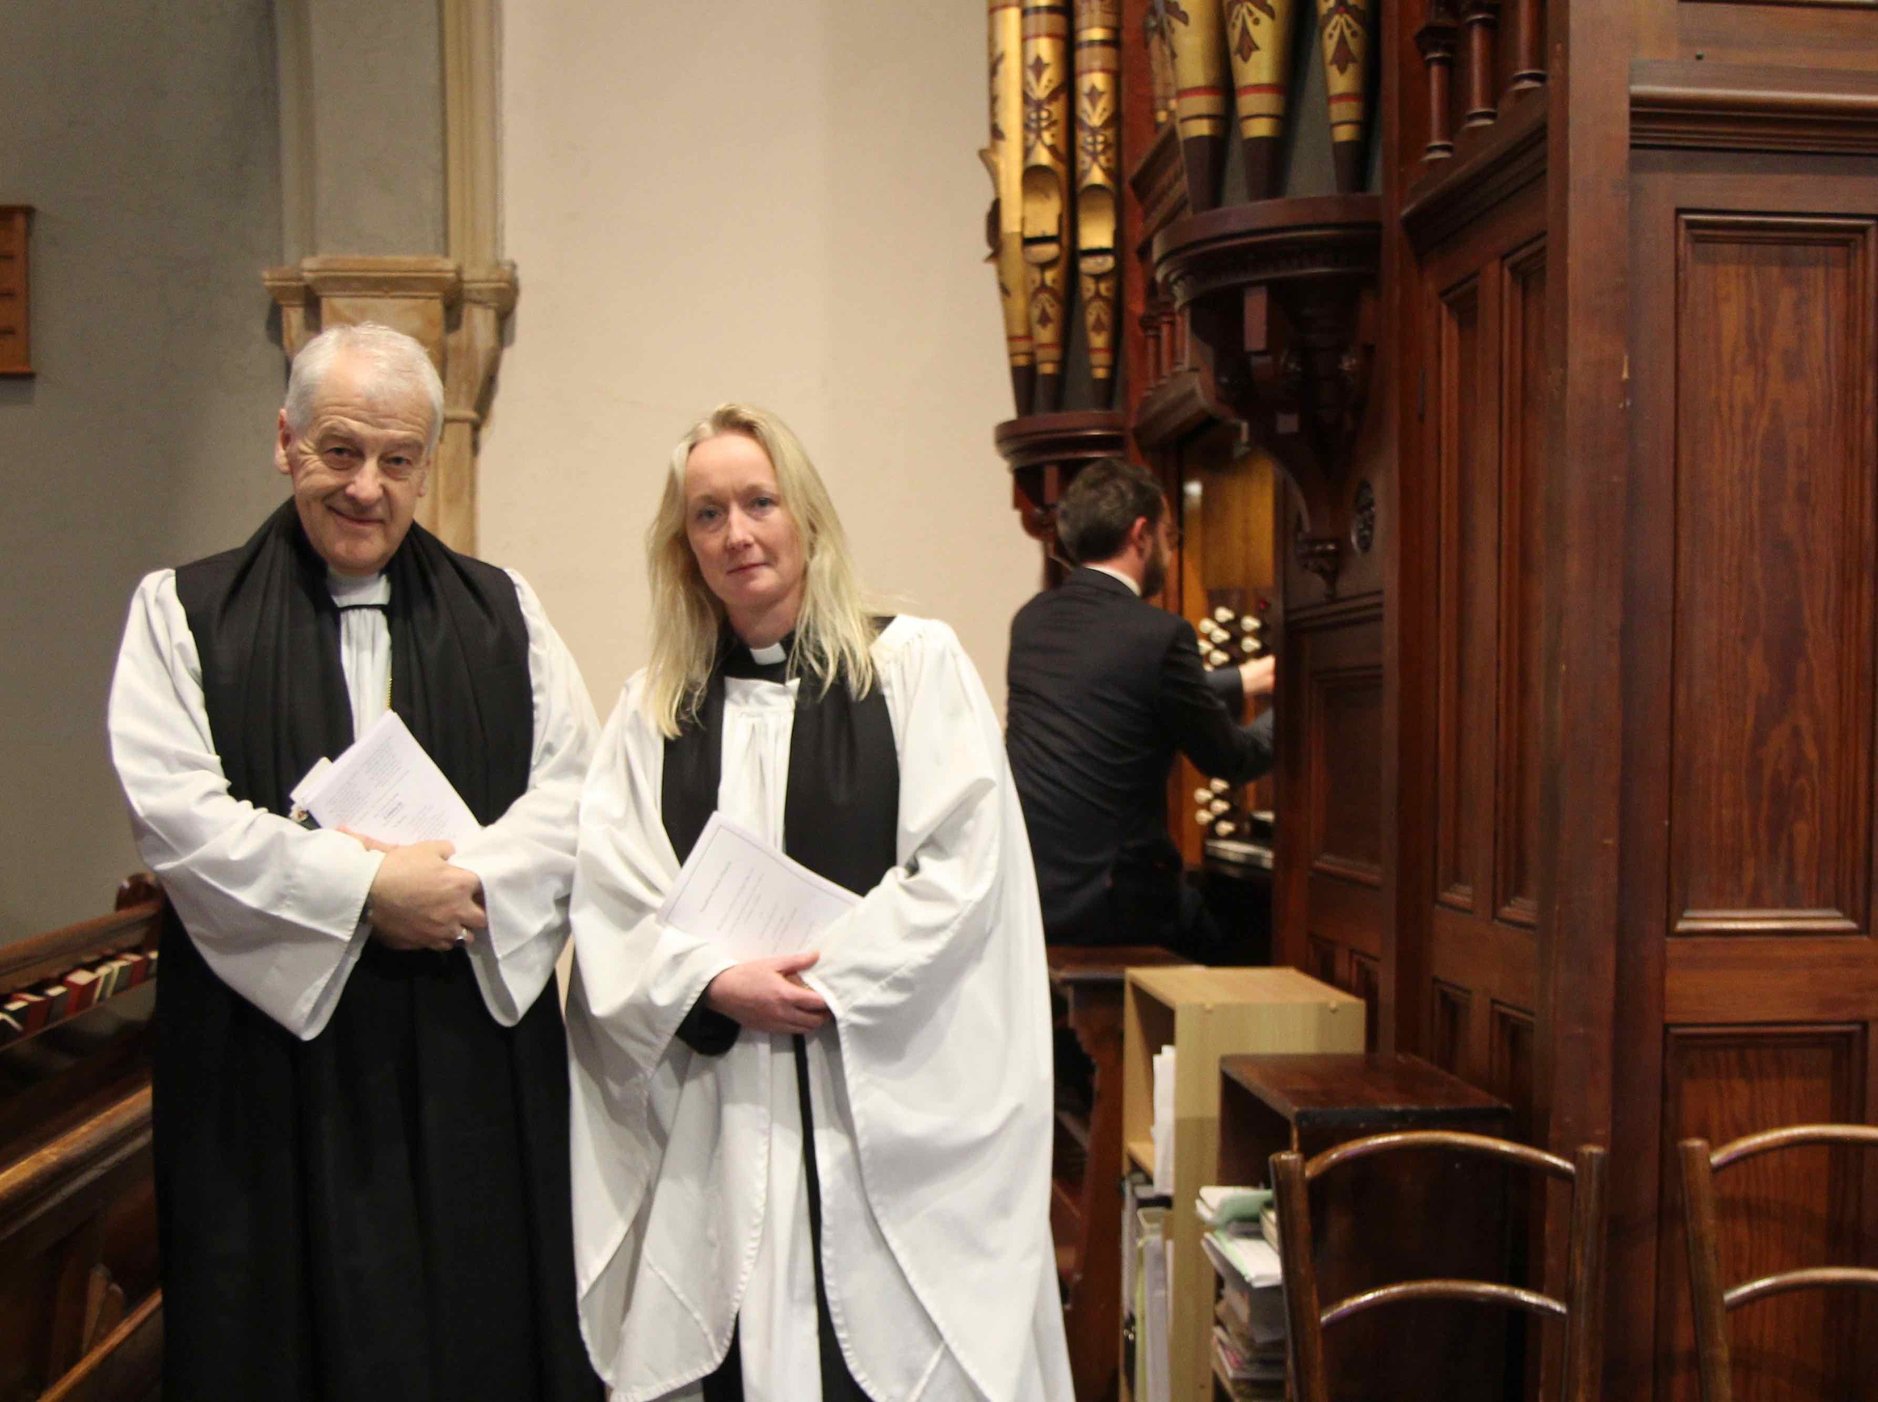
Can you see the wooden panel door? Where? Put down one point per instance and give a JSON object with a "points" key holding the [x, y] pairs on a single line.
{"points": [[1475, 493], [1751, 988]]}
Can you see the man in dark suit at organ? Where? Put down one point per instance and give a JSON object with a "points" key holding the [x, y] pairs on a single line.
{"points": [[1104, 688]]}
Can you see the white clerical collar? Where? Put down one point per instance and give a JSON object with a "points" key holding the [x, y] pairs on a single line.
{"points": [[351, 591], [768, 656], [1133, 588]]}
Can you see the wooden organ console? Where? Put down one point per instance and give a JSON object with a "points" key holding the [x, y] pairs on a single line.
{"points": [[1521, 354]]}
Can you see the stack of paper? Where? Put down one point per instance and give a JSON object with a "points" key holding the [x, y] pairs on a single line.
{"points": [[1162, 1131], [738, 890], [1219, 1206], [1249, 1333], [386, 787]]}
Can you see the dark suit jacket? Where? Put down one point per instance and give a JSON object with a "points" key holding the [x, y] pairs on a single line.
{"points": [[1104, 687]]}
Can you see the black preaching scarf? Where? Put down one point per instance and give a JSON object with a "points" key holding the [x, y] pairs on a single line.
{"points": [[382, 1211], [841, 819]]}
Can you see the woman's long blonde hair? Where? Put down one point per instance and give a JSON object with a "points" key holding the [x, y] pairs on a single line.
{"points": [[834, 632]]}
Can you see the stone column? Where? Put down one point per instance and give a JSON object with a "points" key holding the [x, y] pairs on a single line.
{"points": [[409, 235]]}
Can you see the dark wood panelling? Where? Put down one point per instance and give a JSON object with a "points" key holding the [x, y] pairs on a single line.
{"points": [[1748, 979], [1346, 911], [1770, 797], [1774, 978], [1329, 875], [1481, 331], [1466, 428], [1344, 725], [1482, 955], [1321, 961], [1776, 1212], [1800, 34], [1510, 1062], [1523, 381], [1366, 983], [1448, 1029]]}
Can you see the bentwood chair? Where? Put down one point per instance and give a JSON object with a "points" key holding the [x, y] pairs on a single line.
{"points": [[1579, 1310], [1711, 1301]]}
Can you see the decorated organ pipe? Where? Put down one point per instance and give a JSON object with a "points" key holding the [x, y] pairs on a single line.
{"points": [[1258, 43], [1004, 158], [1098, 131], [1160, 63], [1196, 34], [1344, 32], [1047, 133]]}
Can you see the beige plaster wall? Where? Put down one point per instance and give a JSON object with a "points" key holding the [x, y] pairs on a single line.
{"points": [[148, 143], [778, 203]]}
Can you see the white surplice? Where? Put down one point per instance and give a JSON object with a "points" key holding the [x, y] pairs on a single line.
{"points": [[274, 907], [931, 1086]]}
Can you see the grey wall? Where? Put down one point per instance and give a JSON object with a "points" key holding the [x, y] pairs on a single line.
{"points": [[146, 135]]}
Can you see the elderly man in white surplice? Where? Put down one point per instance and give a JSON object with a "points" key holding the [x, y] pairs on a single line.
{"points": [[360, 1075]]}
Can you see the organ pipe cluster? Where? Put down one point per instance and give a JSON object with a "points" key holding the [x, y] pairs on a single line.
{"points": [[1220, 57], [1054, 158]]}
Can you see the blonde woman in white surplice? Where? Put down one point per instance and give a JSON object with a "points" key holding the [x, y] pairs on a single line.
{"points": [[886, 1098]]}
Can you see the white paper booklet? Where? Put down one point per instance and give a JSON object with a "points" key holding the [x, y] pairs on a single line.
{"points": [[387, 787], [1162, 1130], [738, 891]]}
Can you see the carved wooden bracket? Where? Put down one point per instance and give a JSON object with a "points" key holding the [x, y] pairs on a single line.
{"points": [[1045, 450], [455, 313], [1281, 299]]}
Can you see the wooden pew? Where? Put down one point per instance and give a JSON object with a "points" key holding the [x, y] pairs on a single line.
{"points": [[80, 1307]]}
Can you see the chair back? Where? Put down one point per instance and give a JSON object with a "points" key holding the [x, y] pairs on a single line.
{"points": [[1580, 1310], [1711, 1301]]}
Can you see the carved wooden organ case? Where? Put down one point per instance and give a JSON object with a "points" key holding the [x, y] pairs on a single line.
{"points": [[1226, 250], [1555, 327]]}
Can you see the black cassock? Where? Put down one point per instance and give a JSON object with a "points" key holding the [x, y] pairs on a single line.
{"points": [[381, 1211], [840, 820]]}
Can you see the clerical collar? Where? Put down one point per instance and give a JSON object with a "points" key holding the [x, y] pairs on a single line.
{"points": [[769, 664], [349, 592], [1133, 588]]}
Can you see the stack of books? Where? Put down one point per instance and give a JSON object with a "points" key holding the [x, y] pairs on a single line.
{"points": [[1249, 1320], [28, 1010]]}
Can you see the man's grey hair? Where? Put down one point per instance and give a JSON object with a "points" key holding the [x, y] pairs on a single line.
{"points": [[395, 357]]}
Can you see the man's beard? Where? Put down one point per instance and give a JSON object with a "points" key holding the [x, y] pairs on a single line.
{"points": [[1154, 572]]}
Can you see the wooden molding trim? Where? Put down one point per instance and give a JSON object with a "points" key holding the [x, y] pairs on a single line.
{"points": [[24, 962], [1481, 177], [456, 313], [1175, 409], [128, 1362], [72, 1163], [1731, 107], [1044, 451]]}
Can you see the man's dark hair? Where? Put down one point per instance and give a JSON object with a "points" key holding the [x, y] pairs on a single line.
{"points": [[1106, 498]]}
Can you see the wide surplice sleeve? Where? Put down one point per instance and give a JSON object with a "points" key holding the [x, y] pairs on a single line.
{"points": [[273, 907], [633, 983], [525, 858], [638, 976], [937, 985]]}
